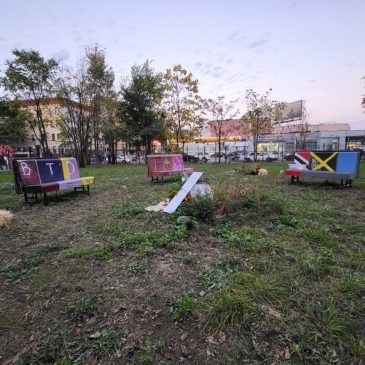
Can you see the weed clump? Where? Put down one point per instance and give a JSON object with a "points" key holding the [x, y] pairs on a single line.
{"points": [[184, 308], [84, 308]]}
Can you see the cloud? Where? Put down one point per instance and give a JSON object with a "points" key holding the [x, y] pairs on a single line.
{"points": [[110, 23], [257, 44], [235, 38], [208, 69], [61, 55], [232, 36], [78, 39], [295, 3], [310, 81]]}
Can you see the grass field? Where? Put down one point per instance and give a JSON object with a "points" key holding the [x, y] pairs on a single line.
{"points": [[278, 278]]}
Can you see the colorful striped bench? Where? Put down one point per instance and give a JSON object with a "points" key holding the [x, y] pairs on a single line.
{"points": [[35, 176], [328, 165]]}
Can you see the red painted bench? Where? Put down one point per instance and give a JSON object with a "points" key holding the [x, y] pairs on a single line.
{"points": [[159, 166]]}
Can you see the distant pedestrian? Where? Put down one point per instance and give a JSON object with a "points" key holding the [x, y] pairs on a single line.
{"points": [[3, 163]]}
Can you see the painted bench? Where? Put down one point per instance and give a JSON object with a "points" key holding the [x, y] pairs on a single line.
{"points": [[339, 165], [159, 166], [35, 176]]}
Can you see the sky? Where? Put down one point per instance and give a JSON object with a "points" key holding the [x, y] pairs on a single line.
{"points": [[301, 49]]}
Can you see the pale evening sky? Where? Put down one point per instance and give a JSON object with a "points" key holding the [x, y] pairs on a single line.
{"points": [[302, 49]]}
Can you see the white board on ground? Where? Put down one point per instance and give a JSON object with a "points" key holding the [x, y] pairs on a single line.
{"points": [[183, 192]]}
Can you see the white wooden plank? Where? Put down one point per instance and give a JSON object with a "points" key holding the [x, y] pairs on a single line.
{"points": [[183, 192]]}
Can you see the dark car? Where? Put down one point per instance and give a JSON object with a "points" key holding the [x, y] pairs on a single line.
{"points": [[289, 157], [190, 158], [237, 155], [216, 155]]}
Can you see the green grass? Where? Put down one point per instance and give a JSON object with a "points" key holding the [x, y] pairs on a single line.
{"points": [[282, 268]]}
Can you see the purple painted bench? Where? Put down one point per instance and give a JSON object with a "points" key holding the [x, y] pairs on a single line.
{"points": [[34, 176]]}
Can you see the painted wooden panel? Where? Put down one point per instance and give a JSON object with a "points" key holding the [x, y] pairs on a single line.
{"points": [[185, 189], [28, 171], [50, 170]]}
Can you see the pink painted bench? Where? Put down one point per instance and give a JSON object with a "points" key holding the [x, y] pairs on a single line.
{"points": [[159, 166]]}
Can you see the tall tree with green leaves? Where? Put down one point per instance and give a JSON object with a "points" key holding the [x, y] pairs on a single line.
{"points": [[100, 79], [29, 77], [262, 113], [182, 104], [12, 123], [75, 111], [85, 99], [112, 127], [140, 106], [219, 112]]}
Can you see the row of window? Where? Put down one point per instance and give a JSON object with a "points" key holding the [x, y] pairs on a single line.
{"points": [[54, 137]]}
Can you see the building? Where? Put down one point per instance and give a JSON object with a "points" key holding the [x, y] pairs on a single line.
{"points": [[50, 112], [284, 139]]}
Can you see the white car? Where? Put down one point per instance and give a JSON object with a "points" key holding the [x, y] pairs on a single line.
{"points": [[123, 159], [262, 156]]}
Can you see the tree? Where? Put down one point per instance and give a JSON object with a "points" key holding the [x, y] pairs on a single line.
{"points": [[220, 111], [12, 124], [100, 80], [260, 116], [75, 113], [30, 78], [182, 104], [85, 103], [112, 127], [139, 110]]}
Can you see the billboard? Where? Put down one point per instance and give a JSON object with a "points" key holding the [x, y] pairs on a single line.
{"points": [[292, 111]]}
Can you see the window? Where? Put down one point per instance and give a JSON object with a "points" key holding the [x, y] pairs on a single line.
{"points": [[33, 137], [53, 137]]}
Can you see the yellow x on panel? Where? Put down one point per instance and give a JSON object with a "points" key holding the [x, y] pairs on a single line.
{"points": [[323, 163]]}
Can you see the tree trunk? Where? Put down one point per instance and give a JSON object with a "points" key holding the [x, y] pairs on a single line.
{"points": [[255, 147], [148, 146]]}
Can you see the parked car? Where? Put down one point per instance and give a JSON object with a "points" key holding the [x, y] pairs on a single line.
{"points": [[139, 158], [216, 155], [203, 157], [237, 155], [123, 159], [270, 156], [20, 154], [289, 157], [262, 156], [190, 158]]}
